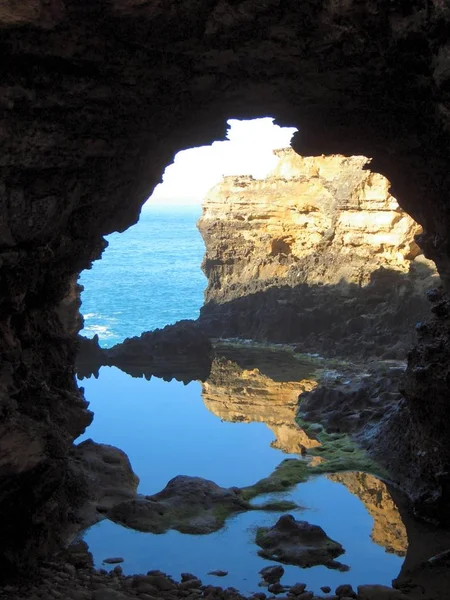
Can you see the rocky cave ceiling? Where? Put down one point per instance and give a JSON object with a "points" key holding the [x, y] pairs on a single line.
{"points": [[96, 97]]}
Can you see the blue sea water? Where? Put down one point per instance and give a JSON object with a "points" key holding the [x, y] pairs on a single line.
{"points": [[148, 277]]}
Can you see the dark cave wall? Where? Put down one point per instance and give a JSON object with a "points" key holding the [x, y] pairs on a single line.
{"points": [[96, 96]]}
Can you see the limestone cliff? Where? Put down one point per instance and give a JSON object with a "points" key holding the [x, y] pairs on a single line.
{"points": [[318, 252]]}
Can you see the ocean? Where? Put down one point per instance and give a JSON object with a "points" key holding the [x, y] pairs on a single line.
{"points": [[148, 277]]}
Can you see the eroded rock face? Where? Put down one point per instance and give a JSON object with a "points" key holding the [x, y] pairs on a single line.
{"points": [[97, 97], [317, 253]]}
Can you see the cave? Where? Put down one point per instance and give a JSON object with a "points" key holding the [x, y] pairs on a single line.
{"points": [[97, 97]]}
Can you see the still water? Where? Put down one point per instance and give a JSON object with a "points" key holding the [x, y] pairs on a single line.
{"points": [[166, 430]]}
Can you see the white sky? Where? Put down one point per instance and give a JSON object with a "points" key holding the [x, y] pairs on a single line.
{"points": [[247, 151]]}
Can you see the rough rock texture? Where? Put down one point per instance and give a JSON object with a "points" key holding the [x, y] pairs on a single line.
{"points": [[109, 480], [188, 504], [96, 97], [388, 528], [317, 253], [179, 351], [299, 543]]}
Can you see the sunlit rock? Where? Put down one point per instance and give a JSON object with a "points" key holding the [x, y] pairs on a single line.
{"points": [[319, 252]]}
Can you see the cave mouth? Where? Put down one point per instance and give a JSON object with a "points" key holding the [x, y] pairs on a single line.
{"points": [[245, 388], [149, 276]]}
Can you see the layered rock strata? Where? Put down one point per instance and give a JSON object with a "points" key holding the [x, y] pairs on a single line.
{"points": [[318, 253], [96, 98]]}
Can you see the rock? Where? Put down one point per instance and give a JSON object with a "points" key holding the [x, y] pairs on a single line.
{"points": [[161, 582], [190, 584], [218, 573], [276, 588], [279, 250], [108, 594], [70, 569], [297, 589], [306, 596], [109, 479], [181, 351], [113, 560], [326, 589], [345, 590], [187, 504], [184, 576], [379, 592], [272, 573], [298, 543]]}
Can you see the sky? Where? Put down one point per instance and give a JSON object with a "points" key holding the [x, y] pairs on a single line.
{"points": [[248, 150]]}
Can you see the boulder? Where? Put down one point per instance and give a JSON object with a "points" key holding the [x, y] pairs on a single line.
{"points": [[298, 543]]}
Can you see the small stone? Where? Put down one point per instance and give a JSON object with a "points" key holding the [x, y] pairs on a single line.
{"points": [[272, 573], [276, 588], [306, 596], [218, 573], [297, 589], [161, 582], [190, 584], [108, 594], [146, 588], [260, 596], [79, 595], [188, 576], [345, 590], [326, 589], [113, 560], [118, 570], [379, 592]]}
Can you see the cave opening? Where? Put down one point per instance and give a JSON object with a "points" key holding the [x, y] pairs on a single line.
{"points": [[250, 392], [149, 276]]}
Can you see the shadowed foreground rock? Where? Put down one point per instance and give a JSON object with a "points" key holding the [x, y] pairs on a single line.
{"points": [[299, 543]]}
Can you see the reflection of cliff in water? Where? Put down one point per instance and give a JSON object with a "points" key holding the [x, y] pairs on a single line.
{"points": [[238, 394], [246, 394], [388, 528]]}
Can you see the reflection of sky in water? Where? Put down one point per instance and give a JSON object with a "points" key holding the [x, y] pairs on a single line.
{"points": [[166, 430]]}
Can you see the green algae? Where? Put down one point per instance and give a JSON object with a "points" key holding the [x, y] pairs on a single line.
{"points": [[339, 452], [288, 473]]}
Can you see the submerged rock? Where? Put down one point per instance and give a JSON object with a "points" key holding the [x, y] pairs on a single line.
{"points": [[298, 543], [187, 504]]}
